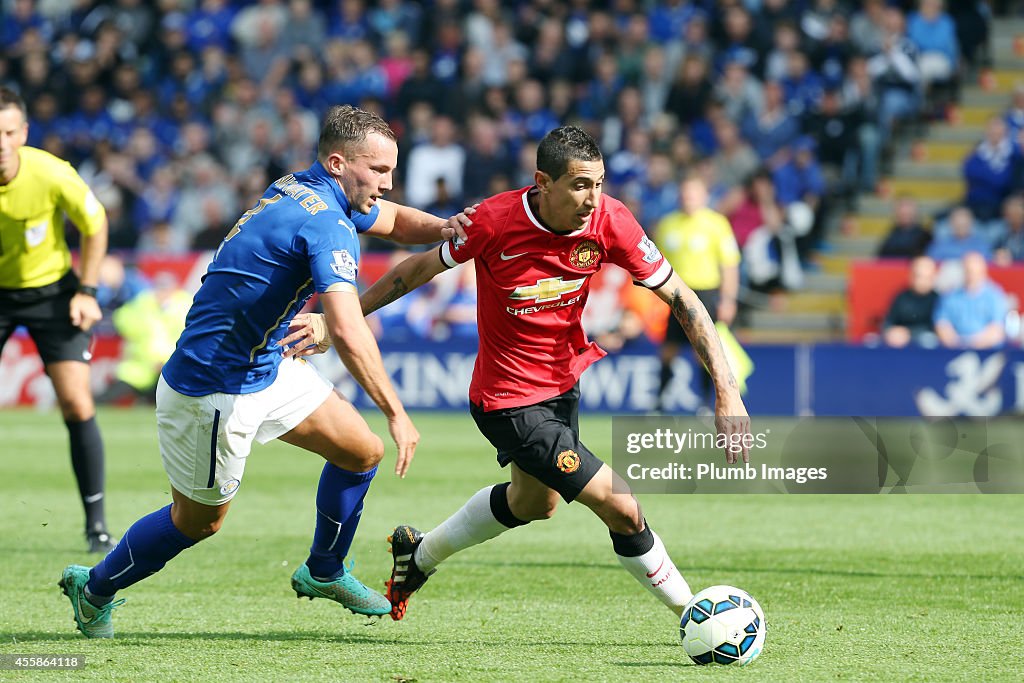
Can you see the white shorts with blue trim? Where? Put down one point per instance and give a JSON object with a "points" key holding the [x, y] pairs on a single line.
{"points": [[205, 440]]}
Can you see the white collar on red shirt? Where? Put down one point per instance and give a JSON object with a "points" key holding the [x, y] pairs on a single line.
{"points": [[536, 221]]}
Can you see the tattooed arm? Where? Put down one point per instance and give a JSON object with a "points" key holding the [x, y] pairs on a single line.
{"points": [[731, 415], [406, 276]]}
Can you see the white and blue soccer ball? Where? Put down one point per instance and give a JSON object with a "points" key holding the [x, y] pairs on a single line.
{"points": [[722, 625]]}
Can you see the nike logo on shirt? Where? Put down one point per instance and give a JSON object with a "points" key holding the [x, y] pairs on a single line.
{"points": [[509, 257]]}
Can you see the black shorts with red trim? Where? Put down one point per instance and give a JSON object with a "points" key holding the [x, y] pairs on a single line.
{"points": [[543, 440]]}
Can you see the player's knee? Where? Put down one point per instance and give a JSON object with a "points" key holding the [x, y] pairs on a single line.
{"points": [[198, 528], [625, 520], [198, 532], [76, 408], [370, 455]]}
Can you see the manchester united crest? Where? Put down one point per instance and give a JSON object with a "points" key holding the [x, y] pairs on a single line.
{"points": [[568, 462], [585, 254]]}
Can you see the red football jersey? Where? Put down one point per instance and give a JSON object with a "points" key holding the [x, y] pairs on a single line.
{"points": [[532, 286]]}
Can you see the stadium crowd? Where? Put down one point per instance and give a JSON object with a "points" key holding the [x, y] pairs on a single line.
{"points": [[180, 112]]}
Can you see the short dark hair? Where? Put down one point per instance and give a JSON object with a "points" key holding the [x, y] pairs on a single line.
{"points": [[346, 125], [565, 144], [9, 98]]}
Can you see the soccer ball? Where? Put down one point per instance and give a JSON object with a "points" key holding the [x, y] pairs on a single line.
{"points": [[722, 625]]}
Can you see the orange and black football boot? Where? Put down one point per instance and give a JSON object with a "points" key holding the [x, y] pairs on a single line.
{"points": [[406, 577]]}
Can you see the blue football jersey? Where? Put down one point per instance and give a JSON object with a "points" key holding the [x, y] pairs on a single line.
{"points": [[299, 239]]}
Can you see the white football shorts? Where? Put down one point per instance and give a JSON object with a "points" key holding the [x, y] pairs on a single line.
{"points": [[205, 440]]}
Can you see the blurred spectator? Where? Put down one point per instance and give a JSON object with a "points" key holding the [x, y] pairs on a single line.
{"points": [[657, 192], [990, 170], [208, 202], [442, 157], [396, 61], [420, 86], [695, 40], [735, 34], [800, 186], [867, 27], [532, 119], [799, 176], [911, 315], [907, 237], [444, 204], [771, 260], [801, 86], [23, 18], [486, 157], [654, 83], [831, 56], [1015, 114], [896, 75], [118, 284], [785, 41], [391, 16], [209, 24], [456, 318], [502, 50], [601, 92], [735, 160], [835, 129], [860, 98], [1011, 246], [972, 28], [960, 238], [691, 90], [149, 325], [258, 30], [161, 239], [628, 165], [305, 30], [973, 316], [816, 19], [669, 19], [933, 33], [772, 128], [738, 90]]}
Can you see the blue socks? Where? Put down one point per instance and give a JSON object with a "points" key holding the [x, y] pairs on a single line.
{"points": [[339, 502], [144, 550], [153, 540]]}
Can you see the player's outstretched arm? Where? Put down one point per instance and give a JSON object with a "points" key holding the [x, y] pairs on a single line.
{"points": [[358, 350], [406, 225], [730, 413], [414, 271], [308, 333]]}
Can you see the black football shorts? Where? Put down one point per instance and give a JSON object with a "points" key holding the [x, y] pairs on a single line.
{"points": [[543, 440], [45, 312]]}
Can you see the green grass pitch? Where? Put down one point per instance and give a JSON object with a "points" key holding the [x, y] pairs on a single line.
{"points": [[855, 588]]}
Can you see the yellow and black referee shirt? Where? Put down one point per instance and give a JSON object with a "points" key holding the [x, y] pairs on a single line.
{"points": [[698, 246], [33, 250]]}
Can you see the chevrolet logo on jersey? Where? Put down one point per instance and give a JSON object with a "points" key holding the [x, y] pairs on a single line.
{"points": [[548, 289]]}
